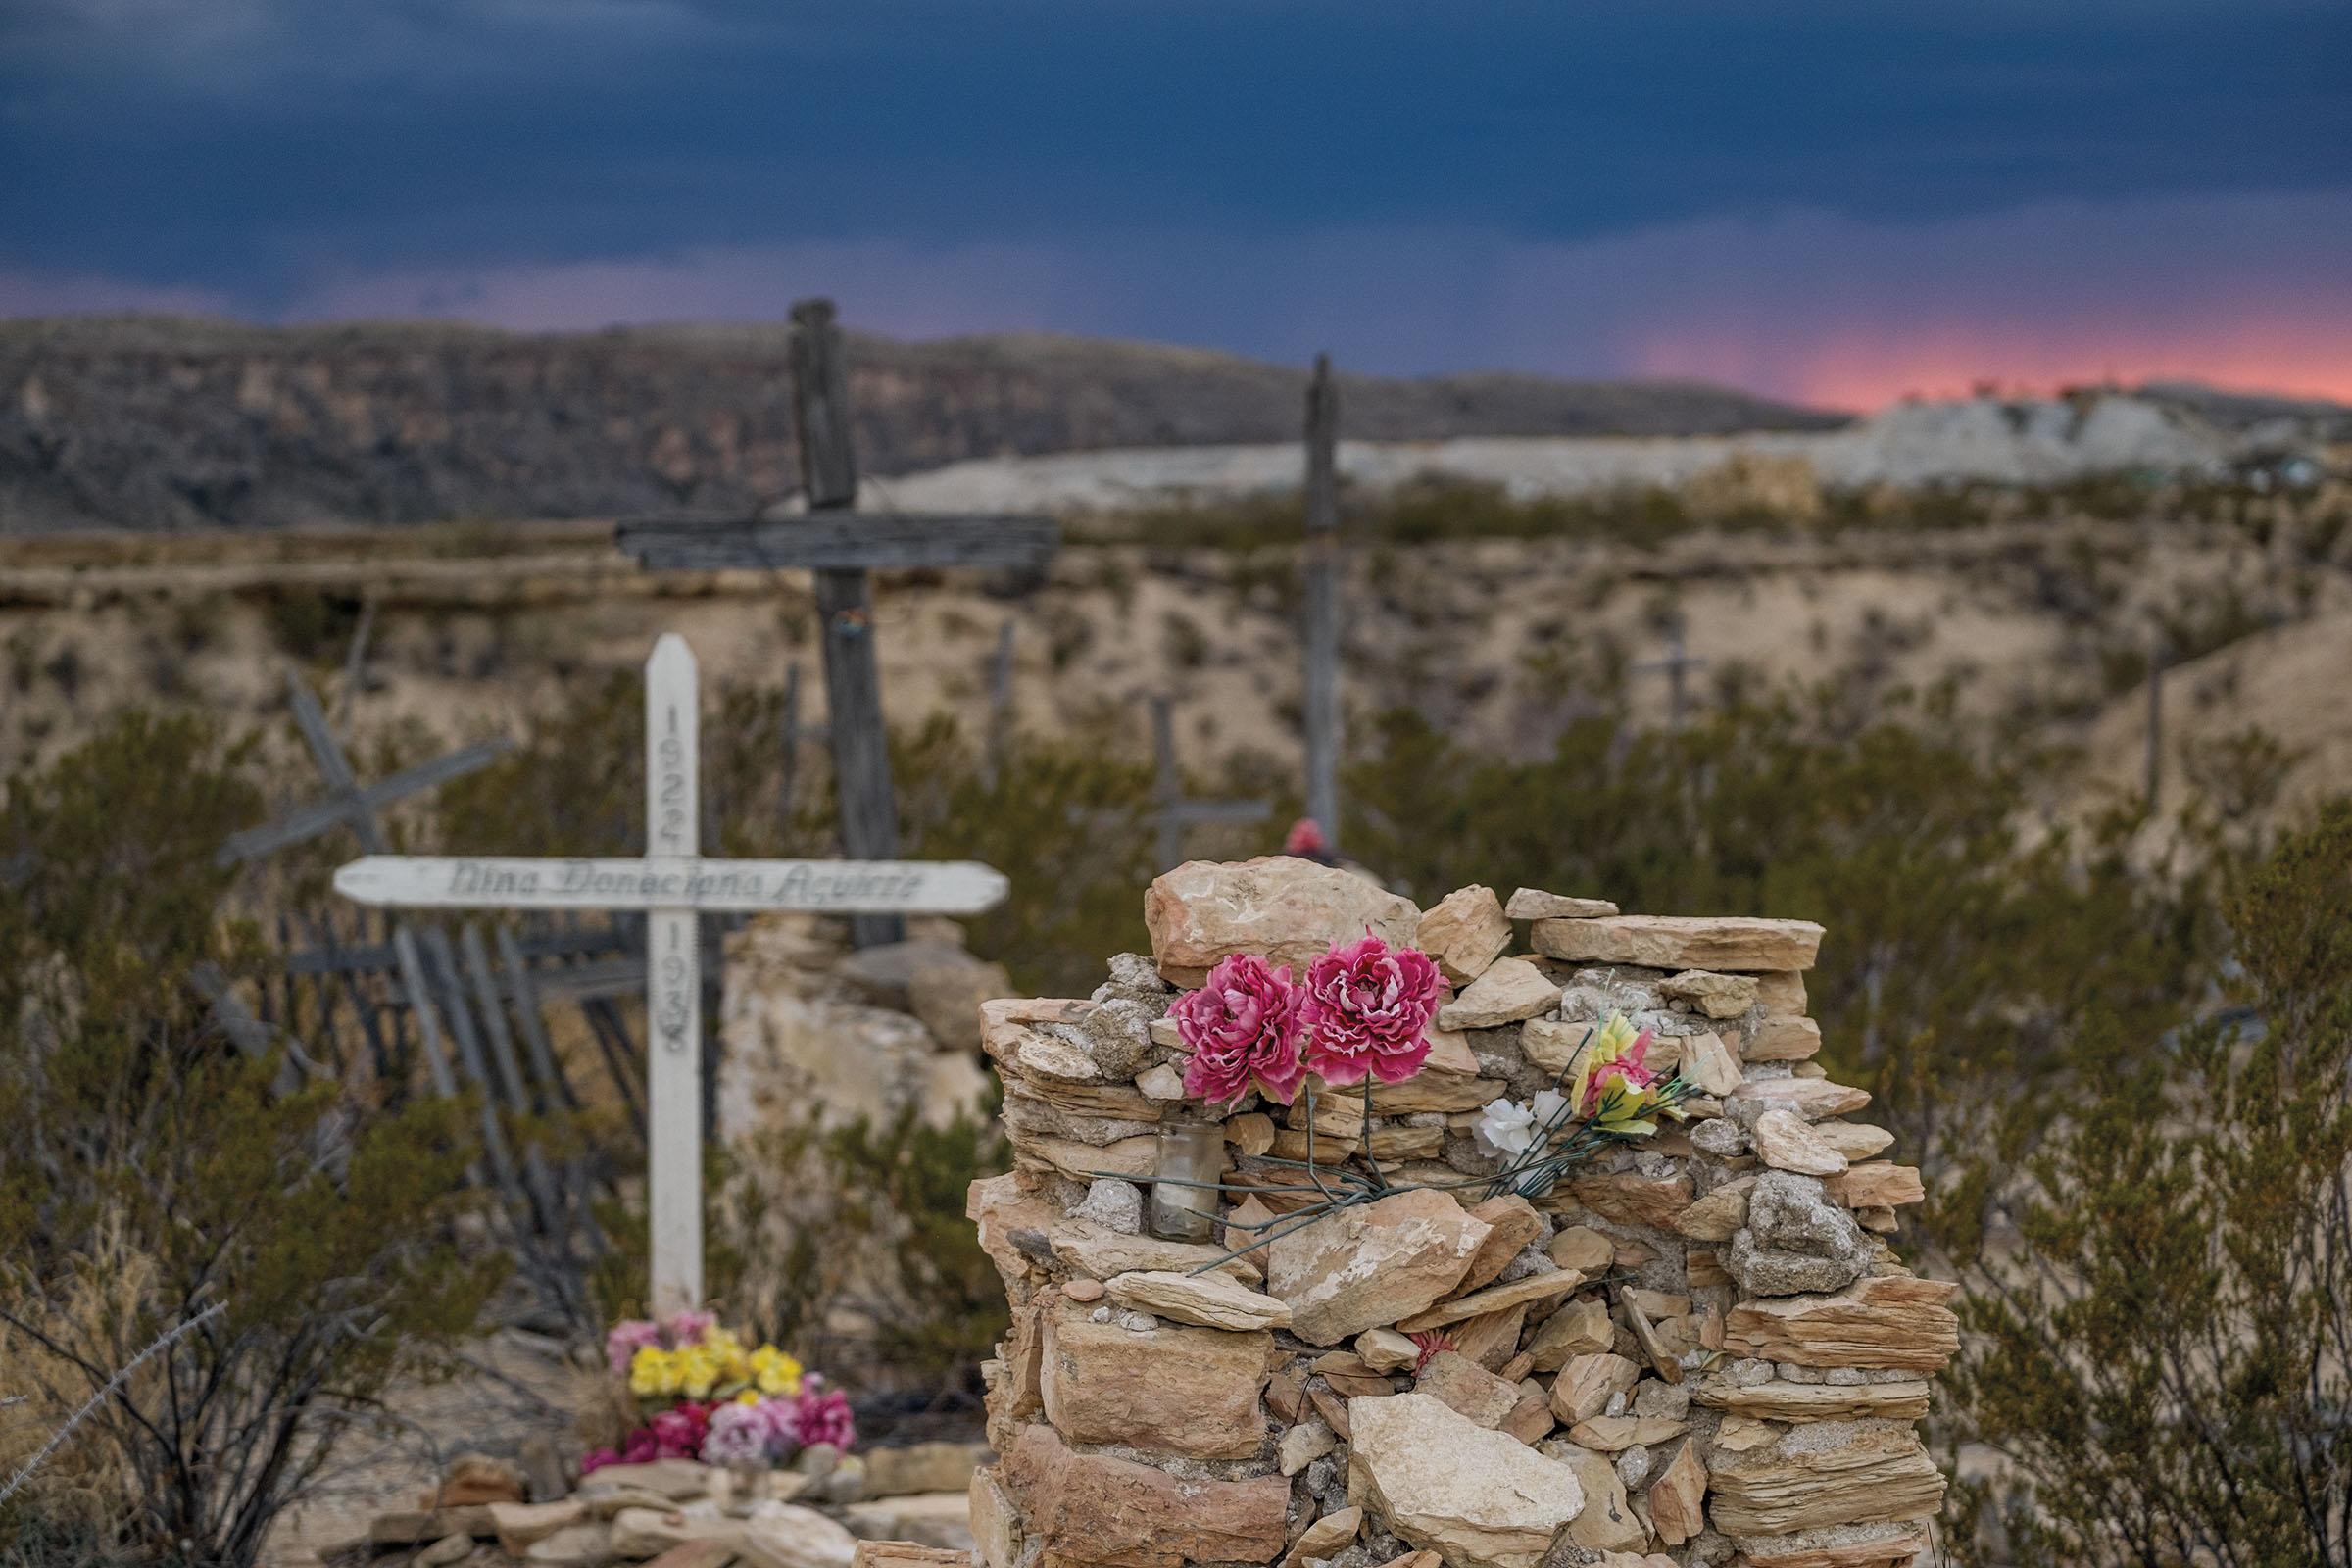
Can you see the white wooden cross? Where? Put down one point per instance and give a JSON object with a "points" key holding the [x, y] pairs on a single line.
{"points": [[672, 883]]}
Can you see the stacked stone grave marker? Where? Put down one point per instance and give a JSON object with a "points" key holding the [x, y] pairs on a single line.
{"points": [[1694, 1349]]}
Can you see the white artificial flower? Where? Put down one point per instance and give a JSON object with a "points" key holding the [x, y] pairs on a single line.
{"points": [[1547, 1107], [1505, 1128]]}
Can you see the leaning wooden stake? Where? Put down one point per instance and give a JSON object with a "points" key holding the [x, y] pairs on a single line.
{"points": [[1323, 603]]}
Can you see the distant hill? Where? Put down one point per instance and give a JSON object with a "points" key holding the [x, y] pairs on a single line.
{"points": [[168, 422]]}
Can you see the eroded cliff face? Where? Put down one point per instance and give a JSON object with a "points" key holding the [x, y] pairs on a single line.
{"points": [[172, 423]]}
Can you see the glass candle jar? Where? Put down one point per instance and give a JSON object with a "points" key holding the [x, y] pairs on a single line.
{"points": [[1184, 1204]]}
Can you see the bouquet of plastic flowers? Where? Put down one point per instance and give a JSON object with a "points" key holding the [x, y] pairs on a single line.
{"points": [[1613, 1095], [703, 1396]]}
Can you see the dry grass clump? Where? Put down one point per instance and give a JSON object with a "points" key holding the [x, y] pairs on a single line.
{"points": [[57, 1348]]}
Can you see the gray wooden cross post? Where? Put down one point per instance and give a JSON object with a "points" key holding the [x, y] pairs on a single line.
{"points": [[1323, 603], [1673, 667], [840, 545], [2155, 757], [1175, 812], [672, 883]]}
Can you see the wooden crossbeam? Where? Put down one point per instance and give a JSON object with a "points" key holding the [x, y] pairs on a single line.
{"points": [[863, 541]]}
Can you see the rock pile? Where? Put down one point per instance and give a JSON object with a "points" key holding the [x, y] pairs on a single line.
{"points": [[902, 1506], [1697, 1349]]}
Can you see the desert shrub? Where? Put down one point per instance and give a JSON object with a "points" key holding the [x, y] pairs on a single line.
{"points": [[156, 1169], [2157, 1318]]}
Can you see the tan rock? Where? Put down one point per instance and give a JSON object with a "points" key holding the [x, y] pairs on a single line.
{"points": [[1878, 1184], [997, 1534], [407, 1527], [1161, 1083], [1533, 904], [1718, 996], [939, 1521], [1099, 1102], [1708, 1063], [602, 1505], [1511, 989], [1581, 1248], [1853, 1140], [1659, 1349], [1588, 1383], [1658, 1306], [1614, 1433], [1718, 1215], [1551, 1045], [1741, 1434], [519, 1524], [1704, 1268], [1513, 1225], [1134, 1160], [1836, 1547], [1881, 1220], [1247, 1222], [1490, 1339], [1097, 1509], [1817, 1401], [922, 1467], [1678, 1498], [1371, 1265], [1885, 1321], [1678, 942], [1467, 1388], [1188, 1391], [1434, 1093], [909, 1555], [1832, 1473], [1782, 991], [675, 1479], [581, 1545], [1326, 1538], [1301, 1445], [1208, 1300], [1493, 1299], [1784, 1141], [476, 1478], [1002, 1208], [1811, 1098], [1251, 1134], [1483, 1499], [1408, 1142], [449, 1551], [1633, 1198], [646, 1532], [1083, 1290], [783, 1535], [1103, 1253], [1386, 1351], [1464, 932], [1608, 1523], [1580, 1328], [1530, 1420], [1287, 909], [1784, 1039]]}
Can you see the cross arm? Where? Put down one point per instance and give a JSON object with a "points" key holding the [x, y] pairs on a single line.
{"points": [[848, 541]]}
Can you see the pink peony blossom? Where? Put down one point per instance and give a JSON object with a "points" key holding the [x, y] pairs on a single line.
{"points": [[628, 1337], [1241, 1024], [738, 1434], [827, 1418], [596, 1459], [1369, 1011], [678, 1431]]}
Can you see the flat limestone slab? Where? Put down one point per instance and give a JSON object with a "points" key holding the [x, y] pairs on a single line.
{"points": [[1737, 943]]}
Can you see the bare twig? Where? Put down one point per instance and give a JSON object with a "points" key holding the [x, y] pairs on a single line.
{"points": [[100, 1398]]}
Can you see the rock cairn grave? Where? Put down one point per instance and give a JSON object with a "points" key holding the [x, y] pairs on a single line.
{"points": [[1694, 1349]]}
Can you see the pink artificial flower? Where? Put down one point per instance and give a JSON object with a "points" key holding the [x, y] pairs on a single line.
{"points": [[1243, 1024], [1369, 1011], [827, 1418], [1306, 841], [678, 1431], [688, 1326], [1627, 1069], [597, 1459], [628, 1337], [1429, 1344], [738, 1434]]}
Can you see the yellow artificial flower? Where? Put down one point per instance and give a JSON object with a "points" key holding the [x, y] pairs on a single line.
{"points": [[652, 1371], [698, 1371], [727, 1350], [748, 1397], [775, 1372]]}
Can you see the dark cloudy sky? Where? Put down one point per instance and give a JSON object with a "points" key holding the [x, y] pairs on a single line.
{"points": [[1839, 200]]}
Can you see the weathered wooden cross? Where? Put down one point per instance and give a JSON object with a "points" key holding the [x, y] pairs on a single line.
{"points": [[1176, 810], [1675, 666], [842, 545], [673, 884]]}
